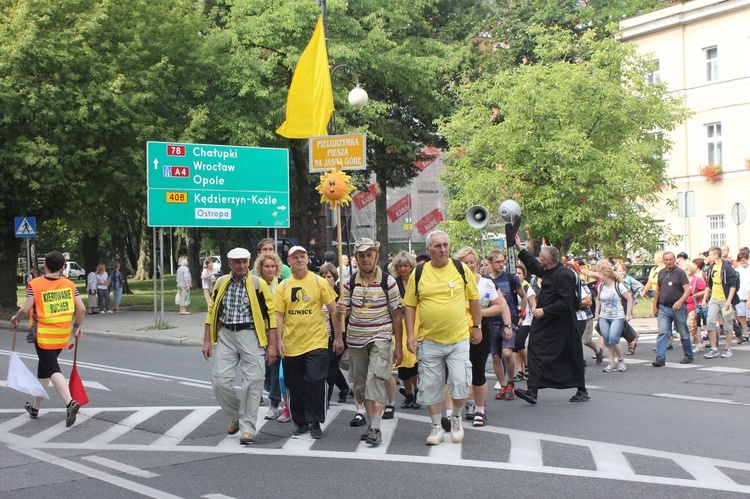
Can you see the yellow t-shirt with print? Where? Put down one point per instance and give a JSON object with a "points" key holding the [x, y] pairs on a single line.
{"points": [[301, 301], [717, 290], [442, 302]]}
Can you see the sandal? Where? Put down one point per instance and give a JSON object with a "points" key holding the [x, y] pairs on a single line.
{"points": [[479, 420], [33, 413], [358, 420], [631, 350], [388, 412]]}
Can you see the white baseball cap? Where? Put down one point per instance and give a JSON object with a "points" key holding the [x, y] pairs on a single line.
{"points": [[295, 249], [238, 253]]}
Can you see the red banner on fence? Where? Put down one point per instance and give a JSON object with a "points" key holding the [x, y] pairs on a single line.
{"points": [[363, 198], [429, 221], [431, 154], [399, 208]]}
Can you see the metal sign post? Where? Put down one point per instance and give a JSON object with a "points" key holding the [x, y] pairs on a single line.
{"points": [[26, 229], [685, 209], [738, 216]]}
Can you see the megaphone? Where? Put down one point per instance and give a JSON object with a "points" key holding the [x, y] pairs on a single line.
{"points": [[477, 217], [510, 212]]}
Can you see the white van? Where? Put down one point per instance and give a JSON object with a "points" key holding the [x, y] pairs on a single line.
{"points": [[74, 271]]}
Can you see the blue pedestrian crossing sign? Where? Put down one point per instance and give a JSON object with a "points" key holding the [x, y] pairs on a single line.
{"points": [[25, 227]]}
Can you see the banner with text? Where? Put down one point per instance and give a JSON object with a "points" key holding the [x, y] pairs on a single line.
{"points": [[422, 202]]}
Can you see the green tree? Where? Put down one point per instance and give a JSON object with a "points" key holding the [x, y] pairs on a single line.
{"points": [[513, 19], [579, 143], [407, 55], [83, 85]]}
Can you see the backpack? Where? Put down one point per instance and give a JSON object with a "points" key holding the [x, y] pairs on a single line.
{"points": [[420, 267], [577, 302], [383, 284]]}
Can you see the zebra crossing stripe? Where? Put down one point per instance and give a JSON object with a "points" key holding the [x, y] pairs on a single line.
{"points": [[611, 461], [124, 426], [122, 467], [178, 432], [525, 449], [60, 428]]}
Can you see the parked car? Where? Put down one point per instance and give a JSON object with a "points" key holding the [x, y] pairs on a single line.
{"points": [[640, 272]]}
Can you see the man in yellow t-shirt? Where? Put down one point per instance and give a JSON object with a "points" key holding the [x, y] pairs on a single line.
{"points": [[441, 294], [722, 289], [303, 341]]}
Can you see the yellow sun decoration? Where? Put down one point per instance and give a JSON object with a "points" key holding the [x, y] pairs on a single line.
{"points": [[334, 188]]}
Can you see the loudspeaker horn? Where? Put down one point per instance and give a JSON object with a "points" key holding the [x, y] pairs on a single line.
{"points": [[477, 217]]}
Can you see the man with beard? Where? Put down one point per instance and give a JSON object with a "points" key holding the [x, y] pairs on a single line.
{"points": [[555, 352]]}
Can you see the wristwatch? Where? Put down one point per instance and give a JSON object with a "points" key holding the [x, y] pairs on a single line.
{"points": [[509, 325], [476, 327]]}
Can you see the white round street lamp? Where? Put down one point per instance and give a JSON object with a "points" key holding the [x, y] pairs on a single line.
{"points": [[358, 97]]}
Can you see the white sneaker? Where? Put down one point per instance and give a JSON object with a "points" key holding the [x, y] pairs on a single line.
{"points": [[273, 413], [457, 431], [102, 312], [698, 348], [726, 354], [437, 435], [620, 366], [711, 354], [610, 368], [110, 312]]}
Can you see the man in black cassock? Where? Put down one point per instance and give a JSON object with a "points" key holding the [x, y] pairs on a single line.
{"points": [[555, 352]]}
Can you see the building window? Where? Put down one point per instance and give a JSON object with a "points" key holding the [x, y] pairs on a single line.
{"points": [[712, 63], [717, 230], [654, 76], [713, 144]]}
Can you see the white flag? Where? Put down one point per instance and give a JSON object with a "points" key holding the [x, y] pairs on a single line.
{"points": [[21, 379]]}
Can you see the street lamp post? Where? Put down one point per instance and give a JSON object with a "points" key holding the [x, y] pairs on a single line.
{"points": [[357, 98], [408, 227]]}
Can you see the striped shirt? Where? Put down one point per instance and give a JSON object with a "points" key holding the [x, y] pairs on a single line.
{"points": [[370, 319], [236, 304]]}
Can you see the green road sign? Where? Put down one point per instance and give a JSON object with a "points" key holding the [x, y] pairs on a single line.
{"points": [[203, 185]]}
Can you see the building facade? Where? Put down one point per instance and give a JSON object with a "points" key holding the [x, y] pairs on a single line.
{"points": [[701, 50]]}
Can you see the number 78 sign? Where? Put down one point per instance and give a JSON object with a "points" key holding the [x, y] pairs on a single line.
{"points": [[205, 185]]}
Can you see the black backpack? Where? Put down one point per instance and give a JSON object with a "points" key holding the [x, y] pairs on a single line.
{"points": [[420, 267]]}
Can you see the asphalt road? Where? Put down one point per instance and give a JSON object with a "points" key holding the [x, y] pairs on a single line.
{"points": [[153, 429]]}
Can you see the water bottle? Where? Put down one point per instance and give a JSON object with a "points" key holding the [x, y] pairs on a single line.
{"points": [[485, 302]]}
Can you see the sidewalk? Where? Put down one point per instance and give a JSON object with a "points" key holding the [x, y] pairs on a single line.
{"points": [[129, 325], [188, 329]]}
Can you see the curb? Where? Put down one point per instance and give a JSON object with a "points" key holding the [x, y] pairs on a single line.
{"points": [[165, 340]]}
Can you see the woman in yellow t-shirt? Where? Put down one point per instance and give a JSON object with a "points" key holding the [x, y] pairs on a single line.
{"points": [[401, 268]]}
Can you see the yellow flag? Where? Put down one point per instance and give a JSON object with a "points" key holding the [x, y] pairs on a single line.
{"points": [[310, 102]]}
